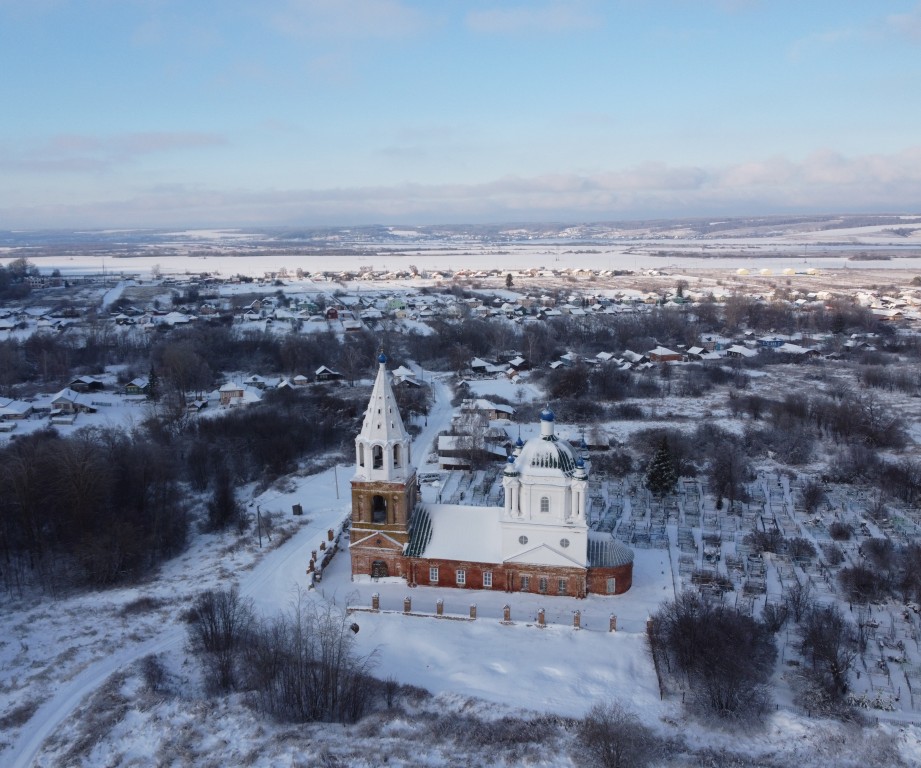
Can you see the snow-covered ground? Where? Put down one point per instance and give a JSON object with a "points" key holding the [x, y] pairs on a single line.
{"points": [[231, 252], [62, 651]]}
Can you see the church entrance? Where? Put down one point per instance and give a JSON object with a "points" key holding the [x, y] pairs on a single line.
{"points": [[379, 570], [378, 510]]}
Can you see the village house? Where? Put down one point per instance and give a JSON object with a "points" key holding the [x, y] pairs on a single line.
{"points": [[138, 386], [663, 355]]}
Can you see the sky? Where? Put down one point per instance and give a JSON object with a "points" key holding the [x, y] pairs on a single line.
{"points": [[168, 113]]}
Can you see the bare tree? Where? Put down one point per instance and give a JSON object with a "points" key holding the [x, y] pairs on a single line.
{"points": [[304, 667], [611, 737], [798, 598], [828, 642], [726, 655], [811, 495], [219, 623]]}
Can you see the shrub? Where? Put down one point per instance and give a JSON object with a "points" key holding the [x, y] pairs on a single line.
{"points": [[840, 531], [800, 548], [862, 584], [833, 555], [611, 737], [828, 643], [219, 624], [726, 655]]}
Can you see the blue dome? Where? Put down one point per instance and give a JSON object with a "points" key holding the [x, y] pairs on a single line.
{"points": [[382, 358], [510, 460], [519, 442], [580, 462], [547, 415]]}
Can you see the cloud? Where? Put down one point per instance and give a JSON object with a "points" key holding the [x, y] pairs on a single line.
{"points": [[906, 24], [77, 153], [823, 181], [900, 26], [332, 20], [529, 18]]}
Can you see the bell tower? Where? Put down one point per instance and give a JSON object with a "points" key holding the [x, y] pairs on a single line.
{"points": [[384, 485]]}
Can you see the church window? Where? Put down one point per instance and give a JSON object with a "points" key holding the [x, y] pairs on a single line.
{"points": [[612, 586], [377, 456], [522, 539], [433, 575], [542, 585], [544, 504], [525, 583], [379, 570], [361, 455], [487, 579], [561, 586], [564, 543], [461, 577], [396, 455], [378, 509]]}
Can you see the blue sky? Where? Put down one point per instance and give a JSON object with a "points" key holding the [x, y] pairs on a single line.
{"points": [[162, 113]]}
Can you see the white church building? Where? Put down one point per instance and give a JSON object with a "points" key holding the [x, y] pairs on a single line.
{"points": [[538, 541]]}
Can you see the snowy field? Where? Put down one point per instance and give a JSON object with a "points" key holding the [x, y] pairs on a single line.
{"points": [[229, 252]]}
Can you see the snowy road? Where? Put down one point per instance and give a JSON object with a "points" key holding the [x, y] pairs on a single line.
{"points": [[287, 559]]}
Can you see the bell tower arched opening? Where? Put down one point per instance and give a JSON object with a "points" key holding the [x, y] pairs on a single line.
{"points": [[378, 509]]}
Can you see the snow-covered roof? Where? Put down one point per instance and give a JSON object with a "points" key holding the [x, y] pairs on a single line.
{"points": [[738, 349], [464, 533]]}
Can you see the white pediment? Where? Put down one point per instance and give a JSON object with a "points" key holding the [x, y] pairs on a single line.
{"points": [[543, 555], [386, 542]]}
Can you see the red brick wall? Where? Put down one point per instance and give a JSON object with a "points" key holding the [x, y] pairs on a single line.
{"points": [[504, 577], [598, 579]]}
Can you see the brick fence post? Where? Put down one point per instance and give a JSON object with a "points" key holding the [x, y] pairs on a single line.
{"points": [[375, 602], [439, 607], [472, 610], [540, 617], [577, 619], [407, 604]]}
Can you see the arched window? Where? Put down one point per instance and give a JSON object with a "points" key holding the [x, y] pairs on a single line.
{"points": [[396, 455], [544, 504], [377, 457], [361, 455], [378, 509]]}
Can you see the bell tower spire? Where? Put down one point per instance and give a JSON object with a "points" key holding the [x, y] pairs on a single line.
{"points": [[382, 446], [384, 485]]}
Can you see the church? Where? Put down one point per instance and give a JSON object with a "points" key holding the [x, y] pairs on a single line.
{"points": [[539, 541]]}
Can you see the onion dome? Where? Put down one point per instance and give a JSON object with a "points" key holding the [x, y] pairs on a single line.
{"points": [[547, 456]]}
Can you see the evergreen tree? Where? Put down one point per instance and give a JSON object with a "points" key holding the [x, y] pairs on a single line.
{"points": [[153, 385], [661, 475]]}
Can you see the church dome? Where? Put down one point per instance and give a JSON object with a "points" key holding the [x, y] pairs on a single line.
{"points": [[604, 551], [547, 456]]}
